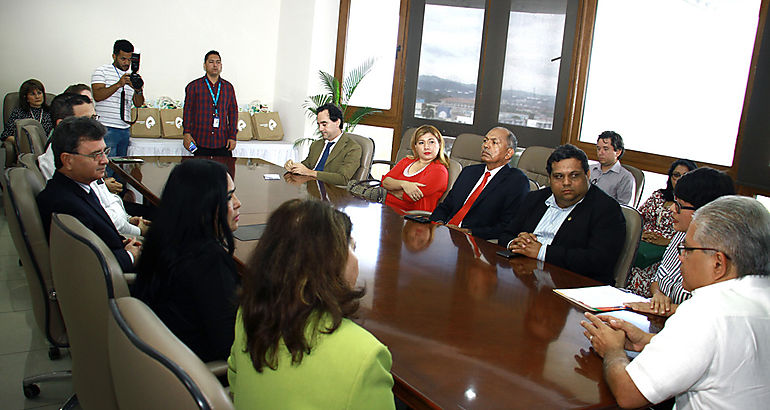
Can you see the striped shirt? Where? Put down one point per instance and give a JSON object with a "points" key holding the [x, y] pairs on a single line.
{"points": [[108, 110], [550, 223], [668, 276]]}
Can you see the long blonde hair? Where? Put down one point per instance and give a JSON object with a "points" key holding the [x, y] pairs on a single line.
{"points": [[429, 129]]}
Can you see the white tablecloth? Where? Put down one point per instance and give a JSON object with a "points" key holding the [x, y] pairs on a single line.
{"points": [[277, 152]]}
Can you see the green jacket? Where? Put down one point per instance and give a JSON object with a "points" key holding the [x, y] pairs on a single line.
{"points": [[343, 161], [348, 369]]}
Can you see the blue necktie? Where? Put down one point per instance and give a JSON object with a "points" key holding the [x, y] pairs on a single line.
{"points": [[324, 156]]}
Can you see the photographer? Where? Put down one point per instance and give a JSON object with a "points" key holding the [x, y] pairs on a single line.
{"points": [[114, 88]]}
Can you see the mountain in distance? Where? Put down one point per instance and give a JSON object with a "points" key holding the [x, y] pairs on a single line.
{"points": [[437, 87]]}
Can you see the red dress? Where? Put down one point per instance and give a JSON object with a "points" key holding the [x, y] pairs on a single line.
{"points": [[434, 176]]}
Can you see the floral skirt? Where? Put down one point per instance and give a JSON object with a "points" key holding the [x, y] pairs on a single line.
{"points": [[640, 279]]}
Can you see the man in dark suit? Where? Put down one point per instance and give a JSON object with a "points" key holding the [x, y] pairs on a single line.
{"points": [[500, 190], [335, 157], [80, 156], [572, 224]]}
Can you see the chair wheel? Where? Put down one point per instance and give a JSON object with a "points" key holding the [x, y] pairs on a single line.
{"points": [[54, 353], [31, 391]]}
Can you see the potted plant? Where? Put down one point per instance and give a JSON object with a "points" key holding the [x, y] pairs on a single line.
{"points": [[339, 95]]}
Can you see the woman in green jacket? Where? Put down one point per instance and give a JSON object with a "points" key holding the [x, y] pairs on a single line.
{"points": [[295, 346]]}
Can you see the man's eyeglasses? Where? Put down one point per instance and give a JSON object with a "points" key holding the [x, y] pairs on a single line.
{"points": [[681, 248], [678, 207], [94, 155], [95, 117]]}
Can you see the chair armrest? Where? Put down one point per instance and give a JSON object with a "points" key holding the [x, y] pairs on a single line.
{"points": [[130, 278], [217, 367], [382, 161]]}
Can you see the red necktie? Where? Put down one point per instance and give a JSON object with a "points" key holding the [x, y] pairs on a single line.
{"points": [[464, 210]]}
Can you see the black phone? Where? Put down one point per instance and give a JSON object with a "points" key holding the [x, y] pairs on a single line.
{"points": [[418, 218], [505, 253]]}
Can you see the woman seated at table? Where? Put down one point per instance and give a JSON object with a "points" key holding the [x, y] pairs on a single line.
{"points": [[657, 229], [693, 190], [186, 272], [418, 181], [31, 105], [295, 345]]}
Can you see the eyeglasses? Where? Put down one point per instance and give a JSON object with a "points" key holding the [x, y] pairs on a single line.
{"points": [[676, 175], [94, 155], [678, 207], [94, 116], [681, 248]]}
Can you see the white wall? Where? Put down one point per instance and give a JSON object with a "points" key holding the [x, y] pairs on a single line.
{"points": [[271, 49]]}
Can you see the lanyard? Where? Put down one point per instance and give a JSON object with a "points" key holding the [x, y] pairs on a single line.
{"points": [[215, 99]]}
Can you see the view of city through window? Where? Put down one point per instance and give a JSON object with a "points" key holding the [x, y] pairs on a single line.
{"points": [[449, 65]]}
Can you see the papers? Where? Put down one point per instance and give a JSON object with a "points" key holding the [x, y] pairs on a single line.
{"points": [[599, 298], [269, 177]]}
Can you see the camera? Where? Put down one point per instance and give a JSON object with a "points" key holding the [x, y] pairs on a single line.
{"points": [[136, 79]]}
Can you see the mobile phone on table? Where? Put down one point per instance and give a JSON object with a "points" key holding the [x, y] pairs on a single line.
{"points": [[417, 218], [505, 253]]}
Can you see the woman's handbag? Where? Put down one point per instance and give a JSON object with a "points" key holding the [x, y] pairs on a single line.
{"points": [[368, 189]]}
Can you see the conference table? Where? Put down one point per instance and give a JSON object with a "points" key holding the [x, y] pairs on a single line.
{"points": [[466, 327]]}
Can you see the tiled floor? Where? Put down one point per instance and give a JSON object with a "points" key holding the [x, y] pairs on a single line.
{"points": [[23, 349]]}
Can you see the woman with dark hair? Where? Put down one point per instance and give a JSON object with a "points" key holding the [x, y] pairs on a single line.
{"points": [[693, 190], [31, 105], [295, 345], [418, 181], [186, 272], [657, 229]]}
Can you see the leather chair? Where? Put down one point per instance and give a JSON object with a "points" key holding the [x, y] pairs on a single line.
{"points": [[630, 244], [152, 368], [454, 171], [21, 187], [639, 183], [467, 149], [532, 163], [30, 136], [29, 161], [403, 150], [533, 186], [367, 155], [86, 276]]}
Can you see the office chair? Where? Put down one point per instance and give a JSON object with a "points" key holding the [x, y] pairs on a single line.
{"points": [[367, 154], [152, 368], [21, 187], [30, 136], [467, 149], [29, 161], [532, 163], [638, 184], [630, 244]]}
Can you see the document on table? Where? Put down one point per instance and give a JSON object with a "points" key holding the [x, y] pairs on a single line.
{"points": [[269, 177], [600, 298]]}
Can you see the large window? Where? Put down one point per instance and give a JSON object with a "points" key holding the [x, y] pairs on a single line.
{"points": [[670, 75]]}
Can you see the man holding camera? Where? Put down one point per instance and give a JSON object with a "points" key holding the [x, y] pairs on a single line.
{"points": [[114, 88]]}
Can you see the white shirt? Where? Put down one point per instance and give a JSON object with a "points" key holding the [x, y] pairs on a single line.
{"points": [[114, 207], [109, 109], [550, 223], [492, 173], [714, 352], [46, 164]]}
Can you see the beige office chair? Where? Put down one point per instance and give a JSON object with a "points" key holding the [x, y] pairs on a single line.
{"points": [[454, 171], [152, 368], [86, 276], [367, 154], [630, 245], [20, 188], [467, 149], [533, 186], [639, 183], [30, 136], [29, 161], [532, 163]]}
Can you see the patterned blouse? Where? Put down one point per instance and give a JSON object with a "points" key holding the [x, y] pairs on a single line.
{"points": [[656, 217], [18, 114]]}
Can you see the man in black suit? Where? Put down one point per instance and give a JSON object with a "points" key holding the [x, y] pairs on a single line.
{"points": [[500, 190], [572, 224], [80, 156]]}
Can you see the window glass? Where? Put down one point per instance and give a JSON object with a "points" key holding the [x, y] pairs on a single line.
{"points": [[670, 75], [532, 60], [449, 61], [373, 33]]}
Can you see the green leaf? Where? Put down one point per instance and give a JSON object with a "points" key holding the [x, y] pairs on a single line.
{"points": [[359, 115], [354, 77], [331, 84]]}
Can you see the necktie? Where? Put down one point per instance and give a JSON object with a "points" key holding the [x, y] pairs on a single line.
{"points": [[324, 156], [93, 199], [458, 218]]}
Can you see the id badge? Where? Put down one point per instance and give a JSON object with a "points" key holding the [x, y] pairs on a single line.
{"points": [[216, 122]]}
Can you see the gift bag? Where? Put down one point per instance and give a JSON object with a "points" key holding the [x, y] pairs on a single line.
{"points": [[245, 132], [171, 123], [267, 126], [147, 123]]}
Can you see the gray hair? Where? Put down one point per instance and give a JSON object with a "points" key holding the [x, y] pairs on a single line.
{"points": [[739, 226], [513, 142]]}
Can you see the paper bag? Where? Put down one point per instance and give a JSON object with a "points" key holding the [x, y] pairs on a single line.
{"points": [[147, 123], [267, 126], [244, 127], [171, 123]]}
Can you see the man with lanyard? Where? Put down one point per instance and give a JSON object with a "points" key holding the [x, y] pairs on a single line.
{"points": [[210, 112], [113, 99]]}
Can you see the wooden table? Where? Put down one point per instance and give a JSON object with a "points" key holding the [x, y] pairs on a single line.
{"points": [[466, 328]]}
